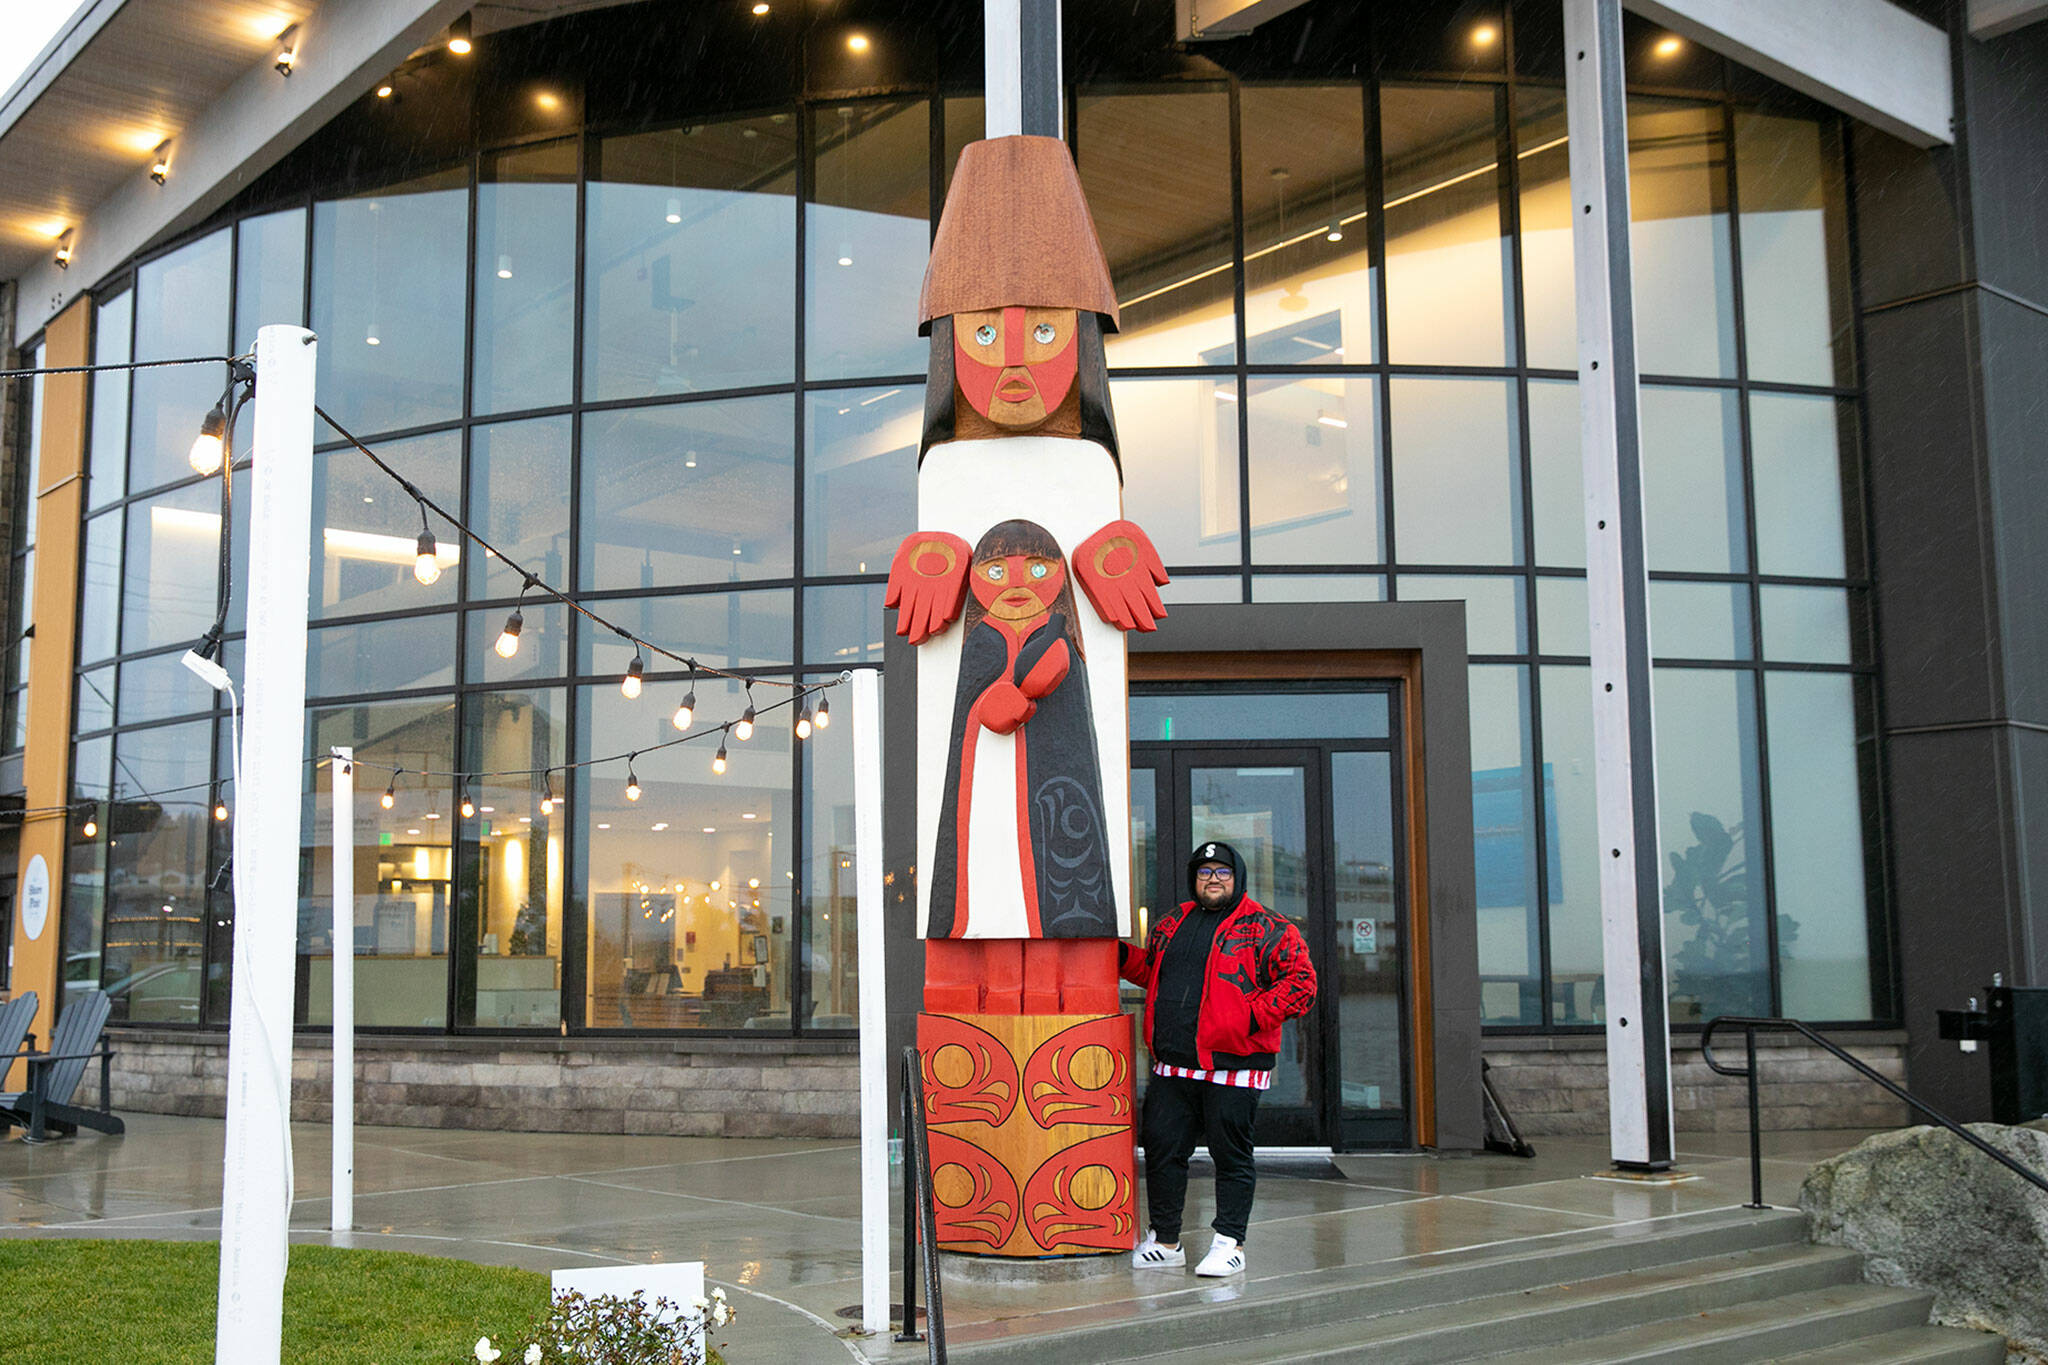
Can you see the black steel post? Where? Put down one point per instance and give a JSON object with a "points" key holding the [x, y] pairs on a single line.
{"points": [[910, 1166], [1756, 1146]]}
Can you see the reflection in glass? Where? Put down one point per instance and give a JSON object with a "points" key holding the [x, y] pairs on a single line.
{"points": [[867, 233], [1371, 938], [83, 920], [518, 487], [1563, 616], [1447, 301], [525, 277], [1234, 716], [1319, 587], [107, 470], [831, 865], [1504, 845], [845, 624], [1678, 208], [369, 657], [860, 476], [722, 629], [543, 644], [1692, 481], [1807, 625], [404, 874], [1203, 588], [689, 886], [1549, 307], [689, 493], [1457, 484], [1156, 171], [367, 529], [156, 864], [1572, 847], [270, 275], [93, 708], [1817, 846], [1556, 473], [1798, 447], [159, 686], [1179, 450], [1700, 620], [1315, 469], [100, 588], [389, 268], [1494, 619], [1310, 289], [1795, 250], [509, 894], [1707, 803], [181, 309], [689, 264], [172, 563]]}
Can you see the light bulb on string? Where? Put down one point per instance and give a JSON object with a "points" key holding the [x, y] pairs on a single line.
{"points": [[209, 446], [426, 564], [803, 720], [220, 807], [718, 759], [508, 638], [822, 717], [92, 827], [632, 782], [744, 728], [468, 806], [390, 795], [547, 798], [629, 686]]}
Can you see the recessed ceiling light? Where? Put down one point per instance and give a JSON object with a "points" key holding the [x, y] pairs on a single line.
{"points": [[857, 42]]}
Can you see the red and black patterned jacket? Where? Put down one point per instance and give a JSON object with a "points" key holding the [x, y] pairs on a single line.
{"points": [[1258, 977]]}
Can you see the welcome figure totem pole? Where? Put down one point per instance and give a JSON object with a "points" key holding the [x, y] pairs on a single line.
{"points": [[1024, 828]]}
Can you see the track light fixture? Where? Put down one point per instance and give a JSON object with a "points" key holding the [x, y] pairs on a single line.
{"points": [[64, 250], [459, 37], [287, 51], [160, 162]]}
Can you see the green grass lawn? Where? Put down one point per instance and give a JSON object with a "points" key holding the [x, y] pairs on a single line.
{"points": [[151, 1303]]}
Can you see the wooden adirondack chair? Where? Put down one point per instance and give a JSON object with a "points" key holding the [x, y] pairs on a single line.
{"points": [[15, 1017], [54, 1075]]}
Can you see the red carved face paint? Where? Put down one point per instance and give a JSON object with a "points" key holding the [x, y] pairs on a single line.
{"points": [[1018, 588], [1015, 366]]}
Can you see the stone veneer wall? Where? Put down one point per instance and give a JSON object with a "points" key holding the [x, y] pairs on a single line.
{"points": [[722, 1087], [683, 1087], [1558, 1084]]}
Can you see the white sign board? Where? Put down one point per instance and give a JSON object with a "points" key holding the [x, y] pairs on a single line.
{"points": [[35, 898], [1365, 937], [680, 1282]]}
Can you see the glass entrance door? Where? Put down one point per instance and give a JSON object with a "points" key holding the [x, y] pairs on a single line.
{"points": [[1319, 827]]}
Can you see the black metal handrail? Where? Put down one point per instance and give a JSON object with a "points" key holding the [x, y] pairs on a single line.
{"points": [[920, 1220], [1749, 1027]]}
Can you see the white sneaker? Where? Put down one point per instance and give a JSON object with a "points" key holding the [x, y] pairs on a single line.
{"points": [[1152, 1256], [1226, 1257]]}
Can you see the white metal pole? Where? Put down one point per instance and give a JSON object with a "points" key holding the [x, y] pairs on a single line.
{"points": [[256, 1173], [874, 1059], [1617, 583], [344, 1181]]}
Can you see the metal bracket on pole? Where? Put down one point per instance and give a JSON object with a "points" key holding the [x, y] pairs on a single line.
{"points": [[344, 953], [874, 1059], [1617, 580], [256, 1171]]}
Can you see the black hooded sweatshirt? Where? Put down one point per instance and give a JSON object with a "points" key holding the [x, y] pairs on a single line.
{"points": [[1186, 963]]}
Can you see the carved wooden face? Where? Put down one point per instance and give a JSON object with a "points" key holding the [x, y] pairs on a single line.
{"points": [[1016, 365], [1018, 588]]}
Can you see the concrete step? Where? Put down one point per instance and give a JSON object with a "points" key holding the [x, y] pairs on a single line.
{"points": [[1911, 1346], [1192, 1317], [1766, 1329], [1563, 1316]]}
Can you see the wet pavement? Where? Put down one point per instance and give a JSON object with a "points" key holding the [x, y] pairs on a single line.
{"points": [[778, 1222]]}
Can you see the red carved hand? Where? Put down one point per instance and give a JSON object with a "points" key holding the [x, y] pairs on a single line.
{"points": [[1004, 707], [928, 583], [1121, 572]]}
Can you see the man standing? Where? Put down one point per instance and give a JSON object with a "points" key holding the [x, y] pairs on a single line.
{"points": [[1221, 974]]}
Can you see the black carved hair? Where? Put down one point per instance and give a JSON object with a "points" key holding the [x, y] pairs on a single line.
{"points": [[1098, 423], [1024, 538]]}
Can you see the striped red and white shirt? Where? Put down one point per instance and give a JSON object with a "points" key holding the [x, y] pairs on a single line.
{"points": [[1243, 1080]]}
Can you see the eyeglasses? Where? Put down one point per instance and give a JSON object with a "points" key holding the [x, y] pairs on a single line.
{"points": [[1214, 874]]}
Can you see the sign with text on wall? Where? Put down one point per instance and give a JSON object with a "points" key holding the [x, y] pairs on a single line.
{"points": [[35, 898]]}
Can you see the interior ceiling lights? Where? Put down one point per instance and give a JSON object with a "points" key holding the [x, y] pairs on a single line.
{"points": [[287, 51]]}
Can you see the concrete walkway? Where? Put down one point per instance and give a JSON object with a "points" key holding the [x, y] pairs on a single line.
{"points": [[777, 1222]]}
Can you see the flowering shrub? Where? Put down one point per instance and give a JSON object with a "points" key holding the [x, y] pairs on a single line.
{"points": [[608, 1330]]}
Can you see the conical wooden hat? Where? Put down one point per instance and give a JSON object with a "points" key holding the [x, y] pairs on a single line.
{"points": [[1016, 233]]}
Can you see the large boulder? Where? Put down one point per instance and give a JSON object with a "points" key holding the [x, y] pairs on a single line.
{"points": [[1928, 1210]]}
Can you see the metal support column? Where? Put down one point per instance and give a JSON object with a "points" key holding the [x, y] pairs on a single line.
{"points": [[1617, 579]]}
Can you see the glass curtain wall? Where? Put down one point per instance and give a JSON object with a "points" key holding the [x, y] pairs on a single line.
{"points": [[668, 364]]}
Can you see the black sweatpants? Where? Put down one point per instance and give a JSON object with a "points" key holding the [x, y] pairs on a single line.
{"points": [[1178, 1114]]}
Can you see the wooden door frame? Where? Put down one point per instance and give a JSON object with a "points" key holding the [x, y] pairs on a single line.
{"points": [[1403, 642]]}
